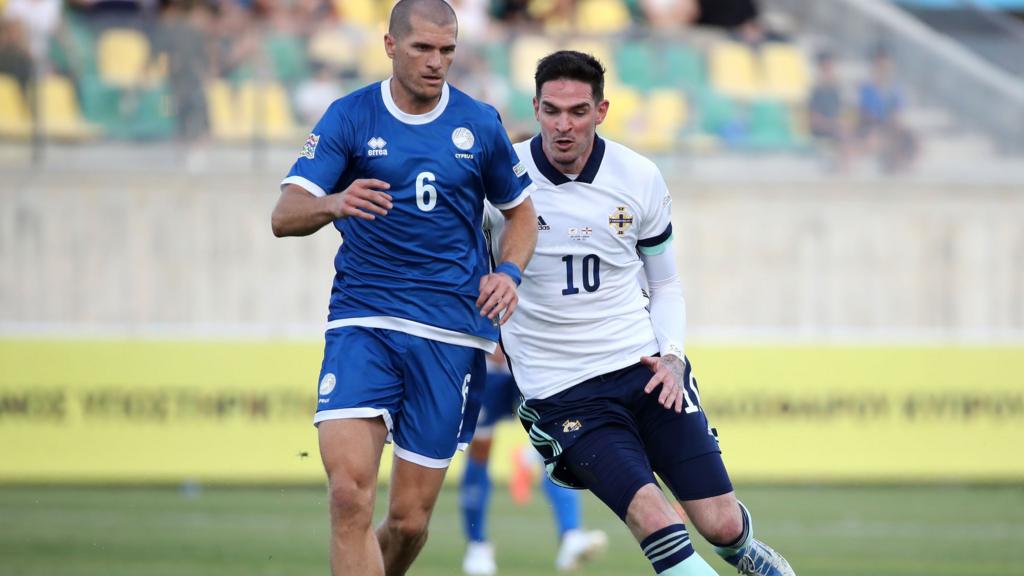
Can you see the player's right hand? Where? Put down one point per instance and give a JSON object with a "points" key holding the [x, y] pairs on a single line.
{"points": [[364, 198]]}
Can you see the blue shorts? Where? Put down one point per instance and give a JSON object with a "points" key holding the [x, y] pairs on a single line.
{"points": [[500, 397], [424, 389], [608, 436]]}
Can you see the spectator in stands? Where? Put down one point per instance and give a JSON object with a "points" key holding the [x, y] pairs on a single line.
{"points": [[670, 15], [237, 43], [182, 36], [314, 94], [15, 56], [825, 111], [879, 126], [40, 20]]}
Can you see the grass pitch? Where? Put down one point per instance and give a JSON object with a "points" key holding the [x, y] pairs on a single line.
{"points": [[823, 531]]}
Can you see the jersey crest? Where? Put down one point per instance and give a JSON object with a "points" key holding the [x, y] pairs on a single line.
{"points": [[620, 220]]}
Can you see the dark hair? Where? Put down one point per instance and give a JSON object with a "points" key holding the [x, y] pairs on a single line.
{"points": [[435, 11], [571, 65]]}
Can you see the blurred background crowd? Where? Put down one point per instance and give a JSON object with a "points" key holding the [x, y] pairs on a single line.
{"points": [[685, 76]]}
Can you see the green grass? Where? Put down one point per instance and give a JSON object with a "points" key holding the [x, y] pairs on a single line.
{"points": [[837, 531]]}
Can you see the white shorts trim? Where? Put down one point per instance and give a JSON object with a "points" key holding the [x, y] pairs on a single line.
{"points": [[417, 329], [462, 446], [308, 185], [353, 413], [518, 199], [420, 459]]}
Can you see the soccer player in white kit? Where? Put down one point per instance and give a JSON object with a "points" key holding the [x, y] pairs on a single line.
{"points": [[609, 396]]}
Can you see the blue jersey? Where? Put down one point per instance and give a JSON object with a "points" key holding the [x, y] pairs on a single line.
{"points": [[417, 269]]}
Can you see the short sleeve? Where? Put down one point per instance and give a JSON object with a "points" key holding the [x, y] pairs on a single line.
{"points": [[325, 154], [506, 183], [656, 226]]}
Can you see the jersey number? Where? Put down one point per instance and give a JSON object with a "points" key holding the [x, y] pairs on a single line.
{"points": [[426, 194], [591, 274]]}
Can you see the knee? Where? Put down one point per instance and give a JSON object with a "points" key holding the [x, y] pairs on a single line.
{"points": [[649, 512], [724, 528], [351, 501], [408, 527]]}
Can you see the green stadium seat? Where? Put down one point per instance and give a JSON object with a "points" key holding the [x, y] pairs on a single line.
{"points": [[636, 65], [287, 57], [683, 68], [770, 126]]}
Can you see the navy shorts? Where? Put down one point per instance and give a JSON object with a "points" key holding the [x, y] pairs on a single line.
{"points": [[608, 436], [425, 390]]}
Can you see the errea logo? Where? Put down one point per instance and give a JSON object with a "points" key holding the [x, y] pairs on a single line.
{"points": [[377, 147]]}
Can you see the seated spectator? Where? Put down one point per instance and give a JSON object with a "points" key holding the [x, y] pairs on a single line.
{"points": [[669, 15], [825, 110], [15, 57], [879, 125], [315, 94]]}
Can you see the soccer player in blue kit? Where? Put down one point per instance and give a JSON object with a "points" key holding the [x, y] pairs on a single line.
{"points": [[402, 168], [609, 396]]}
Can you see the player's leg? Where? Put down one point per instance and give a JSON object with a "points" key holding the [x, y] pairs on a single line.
{"points": [[351, 451], [413, 494], [611, 463], [437, 380], [358, 391], [691, 465], [474, 496]]}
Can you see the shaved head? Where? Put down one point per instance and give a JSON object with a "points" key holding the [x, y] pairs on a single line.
{"points": [[437, 12]]}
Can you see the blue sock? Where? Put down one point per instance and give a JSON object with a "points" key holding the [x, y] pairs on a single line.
{"points": [[474, 496], [668, 548], [565, 504]]}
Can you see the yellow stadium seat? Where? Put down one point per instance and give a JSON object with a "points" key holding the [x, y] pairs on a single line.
{"points": [[666, 112], [625, 119], [253, 109], [336, 48], [267, 109], [122, 56], [372, 61], [15, 116], [785, 72], [365, 13], [602, 16], [221, 108], [526, 52], [733, 70], [59, 112]]}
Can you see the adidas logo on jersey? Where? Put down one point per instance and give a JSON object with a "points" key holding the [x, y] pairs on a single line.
{"points": [[541, 224], [377, 147]]}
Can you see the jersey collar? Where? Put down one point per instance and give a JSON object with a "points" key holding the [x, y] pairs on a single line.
{"points": [[389, 103], [586, 176]]}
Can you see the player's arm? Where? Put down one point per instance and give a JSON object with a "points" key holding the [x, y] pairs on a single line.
{"points": [[668, 316], [498, 296], [300, 213]]}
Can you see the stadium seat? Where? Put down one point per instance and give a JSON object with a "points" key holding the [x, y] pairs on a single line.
{"points": [[637, 65], [683, 67], [123, 57], [624, 121], [287, 58], [15, 115], [769, 126], [734, 72], [369, 14], [334, 48], [720, 116], [59, 111], [602, 16], [253, 109], [526, 52], [665, 115], [785, 73], [221, 111]]}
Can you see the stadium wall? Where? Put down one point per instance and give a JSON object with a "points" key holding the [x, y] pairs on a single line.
{"points": [[139, 253]]}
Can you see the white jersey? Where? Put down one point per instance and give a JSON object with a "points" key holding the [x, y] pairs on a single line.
{"points": [[581, 310]]}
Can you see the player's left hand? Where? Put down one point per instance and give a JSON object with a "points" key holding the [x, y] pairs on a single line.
{"points": [[498, 297], [669, 372]]}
